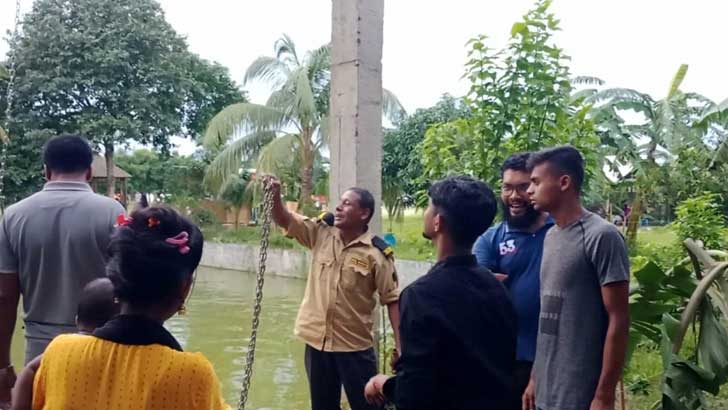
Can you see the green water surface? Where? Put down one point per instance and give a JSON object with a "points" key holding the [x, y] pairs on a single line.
{"points": [[218, 325]]}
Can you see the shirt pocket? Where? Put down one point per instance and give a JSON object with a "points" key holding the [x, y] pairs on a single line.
{"points": [[322, 264], [354, 277]]}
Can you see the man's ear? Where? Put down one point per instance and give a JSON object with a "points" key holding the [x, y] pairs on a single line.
{"points": [[437, 223], [565, 182]]}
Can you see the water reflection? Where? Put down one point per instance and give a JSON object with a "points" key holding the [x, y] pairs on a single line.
{"points": [[218, 325]]}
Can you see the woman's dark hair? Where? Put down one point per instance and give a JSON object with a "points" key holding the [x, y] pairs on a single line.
{"points": [[67, 154], [467, 205], [564, 160], [516, 162], [144, 267]]}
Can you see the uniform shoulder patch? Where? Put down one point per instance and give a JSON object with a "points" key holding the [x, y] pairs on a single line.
{"points": [[327, 218], [383, 246]]}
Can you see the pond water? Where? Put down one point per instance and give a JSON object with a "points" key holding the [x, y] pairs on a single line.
{"points": [[218, 324]]}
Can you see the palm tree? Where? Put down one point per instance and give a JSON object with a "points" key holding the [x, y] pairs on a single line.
{"points": [[669, 126], [292, 124]]}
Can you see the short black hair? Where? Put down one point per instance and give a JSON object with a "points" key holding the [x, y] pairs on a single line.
{"points": [[67, 154], [96, 305], [516, 162], [145, 268], [366, 200], [565, 159], [467, 205]]}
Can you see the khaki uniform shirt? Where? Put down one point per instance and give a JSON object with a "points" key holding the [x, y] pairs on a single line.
{"points": [[336, 314]]}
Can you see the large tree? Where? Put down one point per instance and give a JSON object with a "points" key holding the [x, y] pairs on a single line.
{"points": [[114, 70], [401, 159], [169, 177], [291, 124], [520, 99]]}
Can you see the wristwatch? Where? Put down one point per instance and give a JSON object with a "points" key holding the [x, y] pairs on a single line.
{"points": [[9, 374]]}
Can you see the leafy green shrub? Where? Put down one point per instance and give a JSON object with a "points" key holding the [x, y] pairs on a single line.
{"points": [[663, 254], [700, 218], [203, 217]]}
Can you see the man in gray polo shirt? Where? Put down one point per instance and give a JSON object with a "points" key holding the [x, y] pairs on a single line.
{"points": [[51, 244], [584, 320]]}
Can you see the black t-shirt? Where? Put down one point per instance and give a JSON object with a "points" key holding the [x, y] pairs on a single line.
{"points": [[458, 330]]}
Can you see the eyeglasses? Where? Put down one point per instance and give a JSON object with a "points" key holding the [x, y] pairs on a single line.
{"points": [[521, 189]]}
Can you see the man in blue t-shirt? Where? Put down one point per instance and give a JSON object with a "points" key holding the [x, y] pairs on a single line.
{"points": [[512, 250]]}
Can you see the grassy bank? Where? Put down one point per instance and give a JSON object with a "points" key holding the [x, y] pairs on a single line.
{"points": [[408, 233]]}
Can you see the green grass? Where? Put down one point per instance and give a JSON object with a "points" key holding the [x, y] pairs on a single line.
{"points": [[408, 233]]}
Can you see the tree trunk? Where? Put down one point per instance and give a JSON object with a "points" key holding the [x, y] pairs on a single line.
{"points": [[237, 217], [305, 205], [110, 179]]}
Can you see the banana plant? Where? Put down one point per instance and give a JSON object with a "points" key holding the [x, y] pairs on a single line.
{"points": [[665, 305]]}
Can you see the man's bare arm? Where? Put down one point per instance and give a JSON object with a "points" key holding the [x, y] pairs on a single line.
{"points": [[9, 297], [616, 302]]}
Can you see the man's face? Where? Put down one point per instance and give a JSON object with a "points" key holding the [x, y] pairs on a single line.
{"points": [[348, 214], [517, 207], [546, 187], [431, 222]]}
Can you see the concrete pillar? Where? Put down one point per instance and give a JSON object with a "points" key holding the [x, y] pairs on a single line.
{"points": [[356, 100]]}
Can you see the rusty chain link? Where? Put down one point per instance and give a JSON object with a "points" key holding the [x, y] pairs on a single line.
{"points": [[265, 234]]}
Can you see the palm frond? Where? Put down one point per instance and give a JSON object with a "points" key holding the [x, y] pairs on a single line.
{"points": [[582, 95], [677, 80], [587, 80], [304, 99], [323, 132], [285, 50], [318, 62], [277, 154], [239, 118], [4, 73], [284, 100], [269, 70], [392, 109], [621, 94], [230, 159]]}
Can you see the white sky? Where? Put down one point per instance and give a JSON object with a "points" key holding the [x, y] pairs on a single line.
{"points": [[628, 43]]}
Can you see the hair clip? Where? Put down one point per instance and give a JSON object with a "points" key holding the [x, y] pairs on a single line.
{"points": [[123, 220], [180, 241], [152, 222]]}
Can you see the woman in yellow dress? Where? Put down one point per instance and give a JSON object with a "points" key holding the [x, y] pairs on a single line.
{"points": [[133, 362]]}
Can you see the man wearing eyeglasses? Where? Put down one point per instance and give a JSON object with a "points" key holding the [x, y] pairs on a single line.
{"points": [[512, 249]]}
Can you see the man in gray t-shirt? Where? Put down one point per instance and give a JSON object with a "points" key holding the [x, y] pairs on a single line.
{"points": [[584, 319], [51, 244]]}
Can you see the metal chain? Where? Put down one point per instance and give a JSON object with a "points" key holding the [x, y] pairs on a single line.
{"points": [[265, 234], [9, 96]]}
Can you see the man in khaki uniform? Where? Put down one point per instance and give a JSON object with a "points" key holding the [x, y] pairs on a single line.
{"points": [[350, 266]]}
